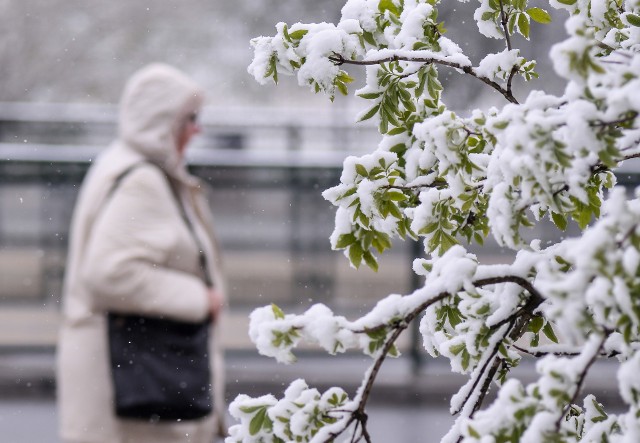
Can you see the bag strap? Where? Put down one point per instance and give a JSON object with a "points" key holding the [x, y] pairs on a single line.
{"points": [[204, 263]]}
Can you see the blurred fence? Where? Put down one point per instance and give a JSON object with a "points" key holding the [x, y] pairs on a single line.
{"points": [[266, 171], [266, 177]]}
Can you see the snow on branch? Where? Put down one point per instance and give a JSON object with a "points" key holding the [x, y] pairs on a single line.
{"points": [[447, 180]]}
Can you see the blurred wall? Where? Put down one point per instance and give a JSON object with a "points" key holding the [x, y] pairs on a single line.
{"points": [[78, 51]]}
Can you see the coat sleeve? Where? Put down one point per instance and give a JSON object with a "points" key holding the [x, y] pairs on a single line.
{"points": [[137, 234]]}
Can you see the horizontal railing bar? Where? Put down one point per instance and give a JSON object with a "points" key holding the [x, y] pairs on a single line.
{"points": [[44, 153], [240, 117]]}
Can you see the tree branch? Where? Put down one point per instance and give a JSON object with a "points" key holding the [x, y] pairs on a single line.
{"points": [[504, 21], [524, 313], [512, 74], [581, 378], [439, 184], [400, 327], [338, 59], [536, 298], [544, 353], [359, 414], [627, 235], [517, 324], [487, 380], [632, 116]]}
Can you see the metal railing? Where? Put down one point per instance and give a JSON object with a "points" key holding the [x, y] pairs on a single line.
{"points": [[272, 222], [266, 178]]}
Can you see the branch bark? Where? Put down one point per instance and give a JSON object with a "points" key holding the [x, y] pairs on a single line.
{"points": [[338, 59], [504, 21], [518, 321], [581, 378]]}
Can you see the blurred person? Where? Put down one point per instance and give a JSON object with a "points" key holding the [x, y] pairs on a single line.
{"points": [[136, 248]]}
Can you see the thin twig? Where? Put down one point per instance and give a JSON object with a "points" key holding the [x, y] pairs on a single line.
{"points": [[390, 343], [512, 74], [363, 424], [439, 184], [536, 299], [479, 377], [359, 414], [629, 233], [497, 362], [398, 327], [338, 59], [538, 353], [354, 439], [504, 19], [632, 116], [581, 379]]}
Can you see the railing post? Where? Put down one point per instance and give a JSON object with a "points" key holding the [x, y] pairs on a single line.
{"points": [[415, 351]]}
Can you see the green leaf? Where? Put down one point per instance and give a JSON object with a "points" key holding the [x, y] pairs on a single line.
{"points": [[466, 357], [399, 149], [447, 242], [384, 240], [559, 220], [568, 2], [355, 254], [277, 312], [345, 77], [523, 25], [368, 37], [548, 331], [584, 217], [393, 210], [257, 421], [370, 95], [512, 22], [539, 15], [342, 87], [633, 19], [487, 15], [250, 409], [345, 240], [535, 325], [535, 340], [396, 131], [599, 408], [474, 433], [370, 260], [387, 5], [349, 193], [396, 196], [362, 170], [370, 113], [285, 32], [297, 35], [456, 349]]}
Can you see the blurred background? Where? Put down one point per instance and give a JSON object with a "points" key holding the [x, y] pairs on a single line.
{"points": [[267, 153]]}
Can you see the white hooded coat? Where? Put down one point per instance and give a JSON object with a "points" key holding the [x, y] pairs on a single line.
{"points": [[133, 253]]}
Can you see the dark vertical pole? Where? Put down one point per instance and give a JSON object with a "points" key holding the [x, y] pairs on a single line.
{"points": [[415, 346]]}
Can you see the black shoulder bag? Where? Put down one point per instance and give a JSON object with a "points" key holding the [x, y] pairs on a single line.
{"points": [[160, 367]]}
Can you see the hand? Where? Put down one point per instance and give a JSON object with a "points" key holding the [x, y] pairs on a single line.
{"points": [[215, 302]]}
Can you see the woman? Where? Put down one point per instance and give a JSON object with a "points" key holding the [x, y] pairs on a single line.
{"points": [[132, 252]]}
